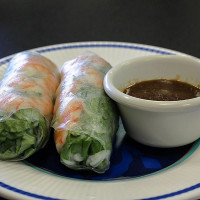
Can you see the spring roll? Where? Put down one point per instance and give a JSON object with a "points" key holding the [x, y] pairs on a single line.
{"points": [[27, 95], [85, 118]]}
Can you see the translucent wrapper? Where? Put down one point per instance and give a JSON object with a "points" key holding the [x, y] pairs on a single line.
{"points": [[26, 105], [85, 118]]}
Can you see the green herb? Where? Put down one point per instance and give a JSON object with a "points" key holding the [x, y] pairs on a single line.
{"points": [[22, 134]]}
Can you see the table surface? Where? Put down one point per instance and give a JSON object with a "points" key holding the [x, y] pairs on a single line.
{"points": [[28, 24]]}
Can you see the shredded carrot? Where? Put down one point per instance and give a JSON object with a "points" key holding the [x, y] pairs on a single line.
{"points": [[76, 119], [59, 137], [19, 103], [76, 107], [28, 86]]}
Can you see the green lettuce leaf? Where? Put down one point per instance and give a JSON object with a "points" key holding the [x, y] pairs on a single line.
{"points": [[89, 143], [22, 134]]}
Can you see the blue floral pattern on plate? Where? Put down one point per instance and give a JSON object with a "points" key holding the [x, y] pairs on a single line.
{"points": [[129, 159]]}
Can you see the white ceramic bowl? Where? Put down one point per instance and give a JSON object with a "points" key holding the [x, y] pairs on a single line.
{"points": [[157, 123]]}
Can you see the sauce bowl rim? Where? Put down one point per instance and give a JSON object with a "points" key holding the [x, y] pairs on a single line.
{"points": [[120, 97]]}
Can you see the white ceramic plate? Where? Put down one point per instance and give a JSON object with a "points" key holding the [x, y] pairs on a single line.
{"points": [[179, 181]]}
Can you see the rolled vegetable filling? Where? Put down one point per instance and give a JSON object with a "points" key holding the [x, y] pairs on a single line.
{"points": [[85, 118], [26, 105], [22, 134]]}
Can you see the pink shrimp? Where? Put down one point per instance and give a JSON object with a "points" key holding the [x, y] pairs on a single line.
{"points": [[50, 65], [45, 105], [69, 113], [23, 83], [66, 89], [60, 139], [48, 79], [93, 76], [30, 72], [34, 58], [31, 83], [84, 73], [9, 102], [67, 118]]}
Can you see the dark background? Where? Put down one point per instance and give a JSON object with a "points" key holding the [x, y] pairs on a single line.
{"points": [[27, 24]]}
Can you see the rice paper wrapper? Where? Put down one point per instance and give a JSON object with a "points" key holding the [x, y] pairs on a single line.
{"points": [[26, 105], [85, 118]]}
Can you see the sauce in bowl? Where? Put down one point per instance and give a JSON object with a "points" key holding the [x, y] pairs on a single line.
{"points": [[163, 90]]}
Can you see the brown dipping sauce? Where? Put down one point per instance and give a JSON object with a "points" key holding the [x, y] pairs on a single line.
{"points": [[163, 90]]}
